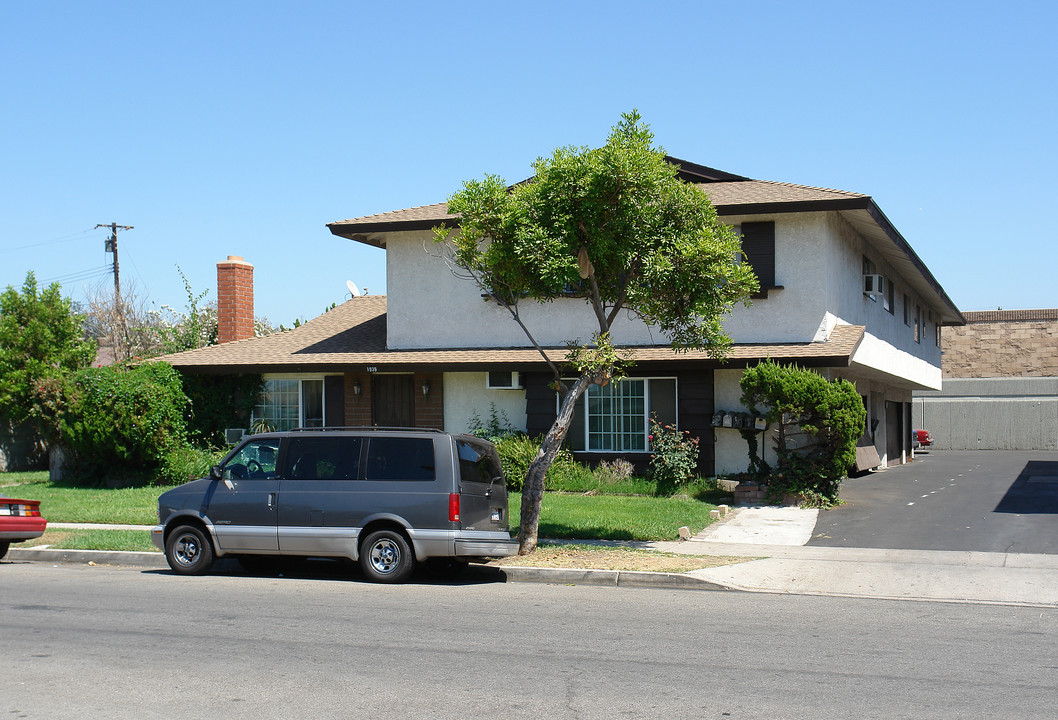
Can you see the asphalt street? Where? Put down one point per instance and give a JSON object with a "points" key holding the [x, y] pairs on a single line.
{"points": [[119, 642], [984, 501]]}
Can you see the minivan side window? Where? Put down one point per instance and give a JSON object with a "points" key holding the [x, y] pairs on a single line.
{"points": [[477, 464], [322, 458], [256, 459], [397, 458]]}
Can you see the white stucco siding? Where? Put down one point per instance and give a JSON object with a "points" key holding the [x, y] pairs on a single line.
{"points": [[466, 396], [731, 450], [794, 313], [429, 306], [875, 356], [846, 299]]}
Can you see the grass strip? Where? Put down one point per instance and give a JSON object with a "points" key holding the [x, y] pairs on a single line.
{"points": [[615, 517], [114, 540], [594, 557]]}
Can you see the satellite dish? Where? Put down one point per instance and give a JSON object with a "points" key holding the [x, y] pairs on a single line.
{"points": [[353, 289]]}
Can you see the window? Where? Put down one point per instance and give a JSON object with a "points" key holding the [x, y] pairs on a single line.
{"points": [[285, 404], [918, 323], [478, 462], [937, 335], [890, 297], [255, 459], [400, 458], [330, 458], [758, 244], [614, 417], [907, 310]]}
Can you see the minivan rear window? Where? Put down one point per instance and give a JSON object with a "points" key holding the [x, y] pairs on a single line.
{"points": [[399, 458], [477, 463]]}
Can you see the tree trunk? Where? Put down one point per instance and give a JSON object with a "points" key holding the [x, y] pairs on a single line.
{"points": [[533, 490]]}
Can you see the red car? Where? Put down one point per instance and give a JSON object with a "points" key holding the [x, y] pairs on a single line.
{"points": [[19, 520], [922, 438]]}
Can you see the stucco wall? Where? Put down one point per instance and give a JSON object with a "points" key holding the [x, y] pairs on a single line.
{"points": [[465, 395], [730, 448], [991, 414], [846, 300]]}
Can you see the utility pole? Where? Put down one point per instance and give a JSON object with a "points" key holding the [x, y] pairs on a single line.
{"points": [[120, 343], [112, 247]]}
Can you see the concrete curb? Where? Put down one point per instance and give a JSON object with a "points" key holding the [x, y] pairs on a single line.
{"points": [[83, 557], [512, 573]]}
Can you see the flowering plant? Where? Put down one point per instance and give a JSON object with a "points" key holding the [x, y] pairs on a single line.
{"points": [[675, 456]]}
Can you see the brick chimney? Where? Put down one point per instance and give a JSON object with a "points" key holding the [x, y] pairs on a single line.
{"points": [[234, 300]]}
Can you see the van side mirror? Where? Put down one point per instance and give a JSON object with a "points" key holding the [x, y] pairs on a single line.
{"points": [[215, 472]]}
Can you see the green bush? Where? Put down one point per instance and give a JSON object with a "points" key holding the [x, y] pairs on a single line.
{"points": [[816, 426], [518, 451], [674, 459], [219, 402], [118, 419], [185, 463]]}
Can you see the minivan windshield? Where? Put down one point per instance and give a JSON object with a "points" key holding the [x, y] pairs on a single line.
{"points": [[478, 462]]}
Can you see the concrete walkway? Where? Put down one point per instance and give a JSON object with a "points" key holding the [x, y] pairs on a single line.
{"points": [[775, 538]]}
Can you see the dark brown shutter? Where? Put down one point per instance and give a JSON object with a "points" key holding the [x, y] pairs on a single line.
{"points": [[758, 243], [334, 400]]}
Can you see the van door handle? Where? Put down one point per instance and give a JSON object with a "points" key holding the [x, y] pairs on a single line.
{"points": [[271, 501]]}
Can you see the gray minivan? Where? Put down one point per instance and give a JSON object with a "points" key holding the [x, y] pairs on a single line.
{"points": [[386, 497]]}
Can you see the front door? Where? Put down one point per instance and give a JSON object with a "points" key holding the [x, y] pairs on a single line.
{"points": [[393, 400]]}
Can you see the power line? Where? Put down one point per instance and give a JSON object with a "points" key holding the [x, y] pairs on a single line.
{"points": [[87, 274], [64, 238]]}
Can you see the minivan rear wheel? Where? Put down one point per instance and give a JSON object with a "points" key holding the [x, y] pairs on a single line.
{"points": [[188, 551], [386, 557]]}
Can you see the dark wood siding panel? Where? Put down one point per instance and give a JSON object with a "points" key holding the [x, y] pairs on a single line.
{"points": [[758, 243], [695, 405], [334, 400], [540, 409]]}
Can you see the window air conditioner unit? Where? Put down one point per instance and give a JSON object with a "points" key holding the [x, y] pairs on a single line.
{"points": [[504, 380], [874, 285], [234, 436]]}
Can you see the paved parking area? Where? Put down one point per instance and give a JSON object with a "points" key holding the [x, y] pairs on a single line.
{"points": [[979, 501]]}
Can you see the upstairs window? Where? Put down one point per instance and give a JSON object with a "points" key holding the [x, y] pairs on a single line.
{"points": [[918, 323], [907, 310]]}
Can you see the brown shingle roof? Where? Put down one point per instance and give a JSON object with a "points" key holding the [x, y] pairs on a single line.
{"points": [[727, 197], [353, 336]]}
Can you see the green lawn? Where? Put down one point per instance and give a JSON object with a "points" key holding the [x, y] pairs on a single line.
{"points": [[564, 515]]}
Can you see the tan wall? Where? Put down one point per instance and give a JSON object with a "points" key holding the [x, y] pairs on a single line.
{"points": [[1002, 343]]}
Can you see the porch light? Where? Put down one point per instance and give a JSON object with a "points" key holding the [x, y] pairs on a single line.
{"points": [[357, 388], [425, 387]]}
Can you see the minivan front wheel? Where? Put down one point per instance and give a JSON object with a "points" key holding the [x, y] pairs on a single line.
{"points": [[188, 551], [386, 557]]}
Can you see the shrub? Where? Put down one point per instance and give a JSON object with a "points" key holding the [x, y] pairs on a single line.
{"points": [[119, 418], [519, 450], [816, 425], [185, 463], [674, 459], [219, 402], [613, 471]]}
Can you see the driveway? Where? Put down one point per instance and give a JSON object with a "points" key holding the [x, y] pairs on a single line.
{"points": [[980, 501]]}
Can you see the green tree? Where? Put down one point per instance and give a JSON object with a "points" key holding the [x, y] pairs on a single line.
{"points": [[616, 228], [40, 341], [816, 424]]}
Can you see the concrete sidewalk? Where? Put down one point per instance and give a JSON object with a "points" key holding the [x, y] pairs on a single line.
{"points": [[775, 538]]}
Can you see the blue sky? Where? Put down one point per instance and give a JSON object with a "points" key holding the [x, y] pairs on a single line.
{"points": [[242, 128]]}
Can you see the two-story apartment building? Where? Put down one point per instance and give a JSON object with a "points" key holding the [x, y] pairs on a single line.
{"points": [[841, 292]]}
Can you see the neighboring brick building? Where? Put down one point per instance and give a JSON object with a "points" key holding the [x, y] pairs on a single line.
{"points": [[1002, 343], [1000, 389]]}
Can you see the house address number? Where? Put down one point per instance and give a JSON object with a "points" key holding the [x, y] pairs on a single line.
{"points": [[372, 368]]}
